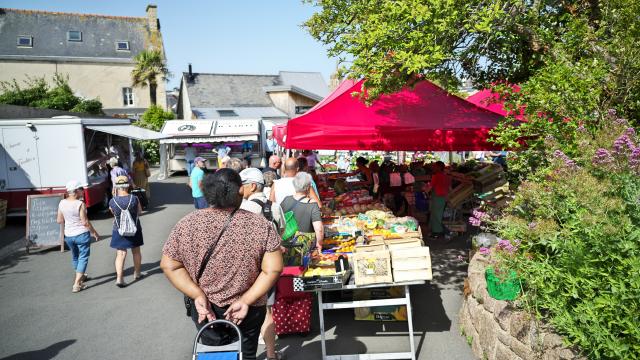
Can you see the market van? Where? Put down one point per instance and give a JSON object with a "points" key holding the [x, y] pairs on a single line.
{"points": [[39, 156]]}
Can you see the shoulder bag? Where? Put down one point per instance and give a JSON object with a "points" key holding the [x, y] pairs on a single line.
{"points": [[188, 302]]}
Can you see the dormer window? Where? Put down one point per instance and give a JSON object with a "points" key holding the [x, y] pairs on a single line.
{"points": [[74, 35], [226, 113], [25, 41], [122, 46]]}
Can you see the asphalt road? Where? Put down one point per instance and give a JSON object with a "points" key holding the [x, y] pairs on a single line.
{"points": [[41, 319]]}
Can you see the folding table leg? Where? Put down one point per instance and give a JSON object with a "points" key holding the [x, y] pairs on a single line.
{"points": [[321, 318], [410, 322]]}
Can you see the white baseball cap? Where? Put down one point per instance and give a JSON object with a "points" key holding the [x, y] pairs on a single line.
{"points": [[73, 185], [252, 175]]}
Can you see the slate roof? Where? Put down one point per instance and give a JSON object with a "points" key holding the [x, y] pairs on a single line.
{"points": [[228, 91], [49, 31], [258, 112], [238, 90]]}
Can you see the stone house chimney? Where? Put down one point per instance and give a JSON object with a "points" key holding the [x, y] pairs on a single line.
{"points": [[152, 18]]}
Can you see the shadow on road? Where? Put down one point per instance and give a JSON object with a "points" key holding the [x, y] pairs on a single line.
{"points": [[47, 353], [172, 193], [149, 269]]}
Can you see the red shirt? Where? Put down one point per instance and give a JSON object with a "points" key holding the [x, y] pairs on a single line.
{"points": [[440, 183]]}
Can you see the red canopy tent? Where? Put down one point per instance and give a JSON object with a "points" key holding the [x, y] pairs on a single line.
{"points": [[279, 131], [491, 101], [423, 118]]}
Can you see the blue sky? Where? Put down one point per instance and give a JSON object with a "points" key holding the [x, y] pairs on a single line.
{"points": [[230, 36]]}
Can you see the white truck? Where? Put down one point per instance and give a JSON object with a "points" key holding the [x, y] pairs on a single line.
{"points": [[39, 156]]}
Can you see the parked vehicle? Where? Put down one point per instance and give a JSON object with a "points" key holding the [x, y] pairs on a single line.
{"points": [[39, 156]]}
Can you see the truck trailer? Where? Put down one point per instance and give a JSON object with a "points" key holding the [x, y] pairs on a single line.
{"points": [[39, 156]]}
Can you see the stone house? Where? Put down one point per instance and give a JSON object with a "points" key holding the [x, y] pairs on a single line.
{"points": [[94, 51]]}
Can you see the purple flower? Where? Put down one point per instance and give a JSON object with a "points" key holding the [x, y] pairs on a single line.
{"points": [[634, 158], [581, 128], [623, 144], [532, 225], [475, 222], [612, 112], [567, 161], [631, 132], [602, 157], [484, 251], [480, 215], [506, 246], [621, 121]]}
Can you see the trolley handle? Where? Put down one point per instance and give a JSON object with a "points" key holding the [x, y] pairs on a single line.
{"points": [[214, 323]]}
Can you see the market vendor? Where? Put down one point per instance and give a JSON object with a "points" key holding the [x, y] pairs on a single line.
{"points": [[364, 173], [439, 188]]}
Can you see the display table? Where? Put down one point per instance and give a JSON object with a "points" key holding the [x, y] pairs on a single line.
{"points": [[406, 300]]}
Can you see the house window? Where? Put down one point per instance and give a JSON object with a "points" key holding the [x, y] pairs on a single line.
{"points": [[122, 45], [74, 35], [127, 96], [226, 113], [25, 41], [302, 109]]}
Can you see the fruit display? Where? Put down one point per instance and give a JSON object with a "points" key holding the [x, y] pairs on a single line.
{"points": [[319, 271]]}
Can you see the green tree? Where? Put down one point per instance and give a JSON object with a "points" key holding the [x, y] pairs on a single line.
{"points": [[152, 119], [38, 93], [573, 60], [150, 65]]}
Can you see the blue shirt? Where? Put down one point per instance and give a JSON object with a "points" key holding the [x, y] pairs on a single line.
{"points": [[197, 175]]}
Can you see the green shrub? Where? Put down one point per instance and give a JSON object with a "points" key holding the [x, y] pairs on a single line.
{"points": [[578, 226], [152, 119]]}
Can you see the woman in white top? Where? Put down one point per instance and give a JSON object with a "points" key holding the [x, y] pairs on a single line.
{"points": [[72, 212]]}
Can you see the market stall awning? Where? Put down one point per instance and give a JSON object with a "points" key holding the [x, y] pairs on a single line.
{"points": [[207, 139], [423, 118], [128, 131], [491, 101]]}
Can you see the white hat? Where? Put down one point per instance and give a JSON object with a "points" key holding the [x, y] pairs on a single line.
{"points": [[113, 161], [73, 185], [252, 175]]}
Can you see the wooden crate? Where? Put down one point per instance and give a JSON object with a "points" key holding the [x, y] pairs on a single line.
{"points": [[395, 244], [371, 247], [411, 264], [461, 193], [3, 213], [412, 275], [372, 267]]}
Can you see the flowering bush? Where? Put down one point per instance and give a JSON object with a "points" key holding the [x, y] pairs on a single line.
{"points": [[578, 222]]}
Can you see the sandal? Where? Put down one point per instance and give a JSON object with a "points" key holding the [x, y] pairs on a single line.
{"points": [[78, 288], [85, 277], [140, 276], [121, 285]]}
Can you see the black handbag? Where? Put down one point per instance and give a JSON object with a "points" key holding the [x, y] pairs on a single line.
{"points": [[188, 302]]}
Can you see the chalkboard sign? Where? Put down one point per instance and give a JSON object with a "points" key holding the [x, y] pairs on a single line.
{"points": [[42, 226]]}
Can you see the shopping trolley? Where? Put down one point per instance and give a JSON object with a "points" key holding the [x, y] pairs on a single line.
{"points": [[231, 351]]}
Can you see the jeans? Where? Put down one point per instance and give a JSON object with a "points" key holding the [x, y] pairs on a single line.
{"points": [[200, 202], [80, 247], [190, 166], [250, 329]]}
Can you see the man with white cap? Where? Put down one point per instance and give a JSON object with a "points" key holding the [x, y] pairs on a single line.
{"points": [[256, 202], [195, 183]]}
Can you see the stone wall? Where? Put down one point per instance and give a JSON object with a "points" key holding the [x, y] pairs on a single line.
{"points": [[496, 330]]}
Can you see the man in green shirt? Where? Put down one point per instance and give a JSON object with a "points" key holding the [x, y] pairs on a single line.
{"points": [[195, 183]]}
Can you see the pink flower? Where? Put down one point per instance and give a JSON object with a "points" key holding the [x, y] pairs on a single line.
{"points": [[484, 251], [602, 157]]}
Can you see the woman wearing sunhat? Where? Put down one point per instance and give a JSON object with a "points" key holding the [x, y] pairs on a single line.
{"points": [[72, 213], [123, 201]]}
